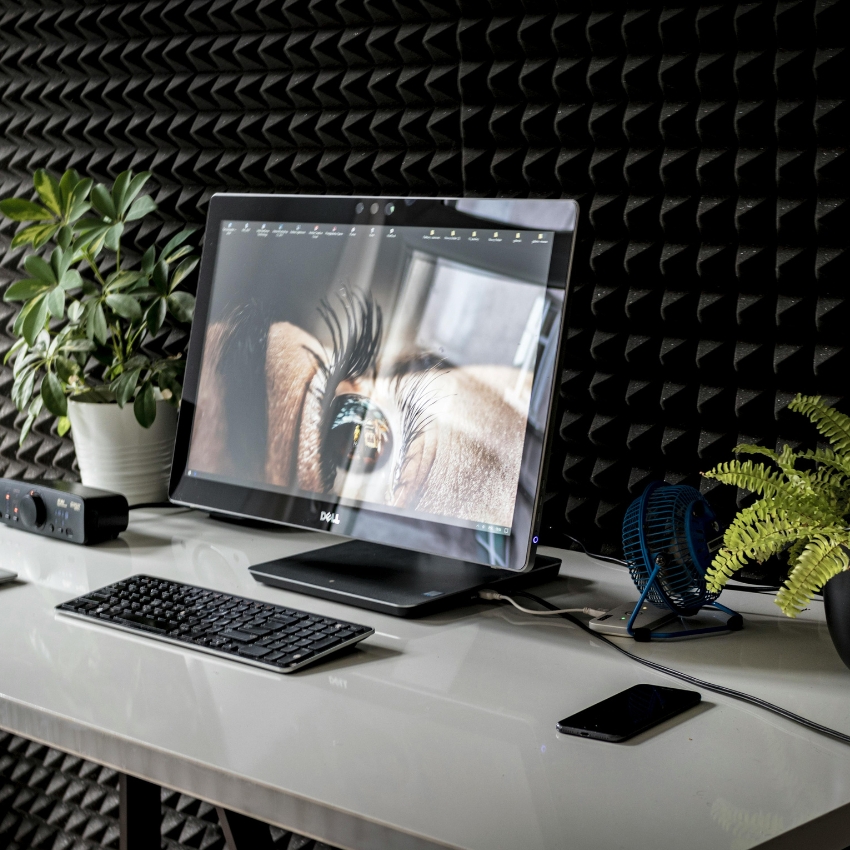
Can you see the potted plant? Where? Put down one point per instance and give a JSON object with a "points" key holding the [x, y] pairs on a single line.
{"points": [[87, 312], [802, 512]]}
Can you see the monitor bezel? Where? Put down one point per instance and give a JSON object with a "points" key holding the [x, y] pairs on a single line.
{"points": [[283, 509]]}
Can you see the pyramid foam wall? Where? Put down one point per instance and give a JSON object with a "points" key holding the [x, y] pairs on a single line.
{"points": [[53, 801], [705, 143]]}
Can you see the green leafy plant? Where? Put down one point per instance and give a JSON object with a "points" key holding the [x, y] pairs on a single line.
{"points": [[802, 509], [86, 313]]}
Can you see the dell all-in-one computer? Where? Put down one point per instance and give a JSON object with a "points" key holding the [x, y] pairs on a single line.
{"points": [[382, 370]]}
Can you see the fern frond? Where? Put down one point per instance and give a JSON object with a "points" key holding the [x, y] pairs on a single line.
{"points": [[795, 550], [757, 540], [786, 460], [771, 485], [827, 457], [750, 449], [824, 484], [746, 475], [825, 487], [725, 564], [770, 537], [834, 484], [824, 556], [833, 425], [757, 511]]}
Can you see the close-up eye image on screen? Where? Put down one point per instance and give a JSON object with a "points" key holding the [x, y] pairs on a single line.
{"points": [[360, 353], [384, 367]]}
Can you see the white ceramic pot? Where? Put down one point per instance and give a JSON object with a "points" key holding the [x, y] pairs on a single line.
{"points": [[115, 453]]}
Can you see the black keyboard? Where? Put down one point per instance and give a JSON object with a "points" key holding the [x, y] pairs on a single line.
{"points": [[269, 636]]}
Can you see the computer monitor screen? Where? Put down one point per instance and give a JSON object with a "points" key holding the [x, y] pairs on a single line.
{"points": [[379, 369]]}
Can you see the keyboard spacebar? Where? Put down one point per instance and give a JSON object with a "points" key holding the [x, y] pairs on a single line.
{"points": [[138, 621]]}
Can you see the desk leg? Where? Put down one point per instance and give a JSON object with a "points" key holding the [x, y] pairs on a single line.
{"points": [[139, 814], [242, 832]]}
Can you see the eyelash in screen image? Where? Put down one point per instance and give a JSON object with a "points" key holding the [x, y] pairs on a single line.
{"points": [[415, 397], [355, 326], [355, 347]]}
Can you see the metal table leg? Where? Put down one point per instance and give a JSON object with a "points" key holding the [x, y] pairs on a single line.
{"points": [[242, 832], [139, 814]]}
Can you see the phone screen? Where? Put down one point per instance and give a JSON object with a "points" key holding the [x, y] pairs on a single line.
{"points": [[626, 714]]}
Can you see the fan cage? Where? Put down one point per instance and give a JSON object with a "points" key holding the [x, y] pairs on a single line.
{"points": [[673, 522]]}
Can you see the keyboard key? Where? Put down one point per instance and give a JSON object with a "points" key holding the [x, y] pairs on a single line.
{"points": [[287, 660], [235, 634], [254, 651], [278, 622], [325, 643], [144, 621]]}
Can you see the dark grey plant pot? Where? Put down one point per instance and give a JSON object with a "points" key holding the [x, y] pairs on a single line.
{"points": [[836, 606]]}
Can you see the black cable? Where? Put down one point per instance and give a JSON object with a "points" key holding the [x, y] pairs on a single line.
{"points": [[752, 588], [153, 505], [607, 558], [692, 680]]}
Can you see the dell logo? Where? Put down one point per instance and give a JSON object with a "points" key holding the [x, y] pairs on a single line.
{"points": [[327, 516]]}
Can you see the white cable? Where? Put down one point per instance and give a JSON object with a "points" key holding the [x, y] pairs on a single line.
{"points": [[493, 596]]}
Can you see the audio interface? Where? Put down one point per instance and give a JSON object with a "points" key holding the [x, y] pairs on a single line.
{"points": [[63, 510]]}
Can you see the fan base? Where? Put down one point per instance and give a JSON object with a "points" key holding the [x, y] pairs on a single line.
{"points": [[709, 620]]}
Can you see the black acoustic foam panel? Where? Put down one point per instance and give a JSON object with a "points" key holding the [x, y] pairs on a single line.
{"points": [[53, 801], [705, 143]]}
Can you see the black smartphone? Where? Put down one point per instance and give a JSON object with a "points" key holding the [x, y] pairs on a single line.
{"points": [[626, 714]]}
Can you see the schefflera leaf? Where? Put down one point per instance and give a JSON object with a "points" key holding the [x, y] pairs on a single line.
{"points": [[81, 329], [145, 406], [53, 394]]}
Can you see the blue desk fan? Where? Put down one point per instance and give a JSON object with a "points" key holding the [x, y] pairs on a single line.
{"points": [[666, 537]]}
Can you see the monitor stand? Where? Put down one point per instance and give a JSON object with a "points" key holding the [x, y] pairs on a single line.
{"points": [[393, 581]]}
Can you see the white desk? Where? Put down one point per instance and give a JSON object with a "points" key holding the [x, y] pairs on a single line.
{"points": [[435, 732]]}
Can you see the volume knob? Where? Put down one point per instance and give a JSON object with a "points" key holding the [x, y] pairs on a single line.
{"points": [[32, 511]]}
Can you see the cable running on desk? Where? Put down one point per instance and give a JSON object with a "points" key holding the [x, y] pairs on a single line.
{"points": [[693, 680], [685, 677]]}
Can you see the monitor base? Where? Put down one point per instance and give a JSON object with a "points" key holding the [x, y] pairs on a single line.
{"points": [[248, 522], [393, 581]]}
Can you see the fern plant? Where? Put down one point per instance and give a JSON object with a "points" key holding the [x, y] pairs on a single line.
{"points": [[802, 510]]}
